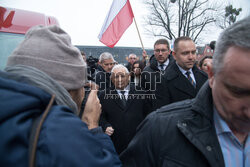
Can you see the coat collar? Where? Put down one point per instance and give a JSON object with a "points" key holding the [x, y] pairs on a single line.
{"points": [[154, 64], [180, 81], [173, 71], [203, 102]]}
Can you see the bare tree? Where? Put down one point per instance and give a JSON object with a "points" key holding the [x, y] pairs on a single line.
{"points": [[175, 18]]}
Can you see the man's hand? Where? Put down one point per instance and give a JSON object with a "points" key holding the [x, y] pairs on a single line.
{"points": [[144, 55], [109, 131], [92, 85], [92, 110]]}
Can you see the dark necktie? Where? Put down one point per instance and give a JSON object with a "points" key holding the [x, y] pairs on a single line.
{"points": [[190, 78], [162, 67], [123, 98]]}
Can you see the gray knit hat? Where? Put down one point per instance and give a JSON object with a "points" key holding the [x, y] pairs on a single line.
{"points": [[49, 49]]}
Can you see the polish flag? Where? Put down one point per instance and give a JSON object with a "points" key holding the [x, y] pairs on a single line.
{"points": [[119, 18]]}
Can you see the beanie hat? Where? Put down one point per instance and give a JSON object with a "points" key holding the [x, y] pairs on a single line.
{"points": [[49, 49]]}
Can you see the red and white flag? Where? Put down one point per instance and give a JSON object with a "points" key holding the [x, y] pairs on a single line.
{"points": [[119, 18]]}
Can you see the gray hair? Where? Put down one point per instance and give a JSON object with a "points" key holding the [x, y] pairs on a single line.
{"points": [[105, 56], [236, 35], [119, 66], [132, 54]]}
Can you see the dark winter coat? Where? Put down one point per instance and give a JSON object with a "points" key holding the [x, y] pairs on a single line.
{"points": [[64, 139], [152, 78], [176, 87], [177, 135]]}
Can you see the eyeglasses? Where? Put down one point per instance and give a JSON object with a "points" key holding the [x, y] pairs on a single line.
{"points": [[161, 50], [106, 64]]}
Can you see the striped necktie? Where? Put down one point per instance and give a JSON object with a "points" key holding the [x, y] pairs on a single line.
{"points": [[190, 78]]}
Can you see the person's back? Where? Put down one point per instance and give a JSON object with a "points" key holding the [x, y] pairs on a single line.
{"points": [[64, 139]]}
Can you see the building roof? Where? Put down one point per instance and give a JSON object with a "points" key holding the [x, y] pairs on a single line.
{"points": [[119, 53]]}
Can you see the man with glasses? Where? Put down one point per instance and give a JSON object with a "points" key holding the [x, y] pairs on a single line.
{"points": [[182, 79], [152, 74], [102, 76]]}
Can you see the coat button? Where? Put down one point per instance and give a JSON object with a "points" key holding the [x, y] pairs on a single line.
{"points": [[209, 148]]}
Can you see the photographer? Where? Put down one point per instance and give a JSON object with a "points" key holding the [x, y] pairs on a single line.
{"points": [[92, 66]]}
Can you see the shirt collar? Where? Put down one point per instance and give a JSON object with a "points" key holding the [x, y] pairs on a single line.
{"points": [[126, 89], [184, 71], [220, 125], [165, 63]]}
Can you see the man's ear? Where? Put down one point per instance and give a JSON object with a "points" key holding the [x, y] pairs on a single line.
{"points": [[174, 54], [210, 74]]}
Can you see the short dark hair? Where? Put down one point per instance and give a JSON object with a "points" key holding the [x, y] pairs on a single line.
{"points": [[162, 41], [177, 40], [203, 58]]}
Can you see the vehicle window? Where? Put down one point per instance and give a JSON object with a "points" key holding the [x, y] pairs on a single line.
{"points": [[8, 42]]}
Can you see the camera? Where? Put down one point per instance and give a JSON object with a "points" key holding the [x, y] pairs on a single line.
{"points": [[92, 64]]}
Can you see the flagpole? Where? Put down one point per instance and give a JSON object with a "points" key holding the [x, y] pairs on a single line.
{"points": [[138, 34], [137, 29]]}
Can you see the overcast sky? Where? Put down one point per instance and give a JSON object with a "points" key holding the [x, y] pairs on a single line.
{"points": [[83, 19]]}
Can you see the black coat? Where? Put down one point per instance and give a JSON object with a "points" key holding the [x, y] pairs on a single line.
{"points": [[128, 66], [152, 77], [177, 87], [177, 135], [102, 78], [123, 120]]}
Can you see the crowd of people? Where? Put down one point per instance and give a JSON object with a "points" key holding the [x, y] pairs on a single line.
{"points": [[170, 111]]}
